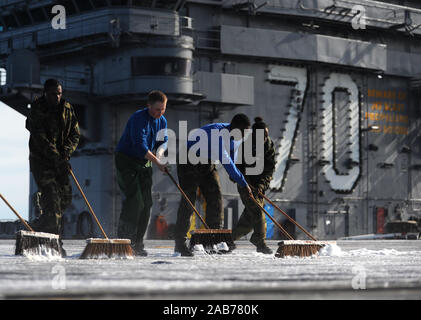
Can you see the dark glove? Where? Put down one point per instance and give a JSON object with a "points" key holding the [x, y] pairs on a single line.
{"points": [[64, 166], [261, 188], [249, 191]]}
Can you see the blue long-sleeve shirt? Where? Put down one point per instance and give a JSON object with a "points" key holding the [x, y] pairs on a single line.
{"points": [[225, 154], [140, 134]]}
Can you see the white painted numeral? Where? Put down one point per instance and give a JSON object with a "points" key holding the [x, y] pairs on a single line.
{"points": [[340, 182], [298, 78]]}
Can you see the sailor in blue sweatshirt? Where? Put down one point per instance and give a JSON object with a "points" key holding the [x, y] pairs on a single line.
{"points": [[204, 175], [133, 158]]}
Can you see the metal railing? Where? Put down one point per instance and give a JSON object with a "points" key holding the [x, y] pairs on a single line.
{"points": [[92, 23], [209, 39], [392, 14], [73, 80]]}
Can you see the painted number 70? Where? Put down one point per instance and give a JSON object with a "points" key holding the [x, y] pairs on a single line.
{"points": [[297, 77]]}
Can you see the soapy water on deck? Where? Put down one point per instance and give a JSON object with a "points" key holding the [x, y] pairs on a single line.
{"points": [[329, 250], [104, 256], [198, 249], [384, 264], [333, 250], [42, 253]]}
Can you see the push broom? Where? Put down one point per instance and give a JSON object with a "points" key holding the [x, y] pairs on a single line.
{"points": [[291, 247], [98, 248], [34, 243], [208, 238]]}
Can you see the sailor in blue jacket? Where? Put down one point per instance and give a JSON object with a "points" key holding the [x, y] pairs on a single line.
{"points": [[201, 172], [133, 159]]}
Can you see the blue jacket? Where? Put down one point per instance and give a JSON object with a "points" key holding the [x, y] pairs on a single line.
{"points": [[140, 134], [225, 154]]}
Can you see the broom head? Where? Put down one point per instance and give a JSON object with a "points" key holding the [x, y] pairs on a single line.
{"points": [[37, 243], [300, 248], [107, 248], [212, 240]]}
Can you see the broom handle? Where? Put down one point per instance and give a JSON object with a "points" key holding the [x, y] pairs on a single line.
{"points": [[87, 203], [287, 216], [187, 199], [17, 214], [273, 220]]}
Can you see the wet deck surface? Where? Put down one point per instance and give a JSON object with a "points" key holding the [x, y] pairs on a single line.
{"points": [[360, 270]]}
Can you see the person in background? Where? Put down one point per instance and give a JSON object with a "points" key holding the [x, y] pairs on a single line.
{"points": [[253, 218]]}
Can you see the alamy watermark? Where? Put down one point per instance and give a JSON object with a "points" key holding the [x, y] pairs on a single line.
{"points": [[59, 20], [359, 19], [54, 278], [359, 281], [58, 282]]}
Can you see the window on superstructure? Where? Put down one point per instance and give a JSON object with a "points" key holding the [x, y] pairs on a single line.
{"points": [[10, 22], [70, 7], [167, 66], [83, 5], [100, 3], [119, 2], [38, 15], [23, 17], [142, 3]]}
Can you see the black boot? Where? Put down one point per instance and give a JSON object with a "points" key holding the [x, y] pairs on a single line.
{"points": [[232, 246], [181, 247], [139, 249], [263, 248], [63, 252]]}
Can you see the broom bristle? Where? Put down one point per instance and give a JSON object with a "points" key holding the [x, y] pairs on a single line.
{"points": [[37, 243], [107, 248], [300, 248], [211, 239]]}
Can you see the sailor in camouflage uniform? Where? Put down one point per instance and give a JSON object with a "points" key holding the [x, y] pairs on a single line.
{"points": [[54, 136], [253, 218]]}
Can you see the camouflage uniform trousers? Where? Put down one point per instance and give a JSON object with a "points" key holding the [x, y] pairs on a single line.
{"points": [[134, 176], [205, 177], [55, 196], [252, 218]]}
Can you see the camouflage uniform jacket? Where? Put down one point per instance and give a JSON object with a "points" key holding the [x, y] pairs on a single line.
{"points": [[262, 180], [54, 132]]}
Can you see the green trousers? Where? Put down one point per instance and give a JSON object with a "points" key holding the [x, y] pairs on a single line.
{"points": [[55, 196], [134, 177], [252, 218], [191, 177]]}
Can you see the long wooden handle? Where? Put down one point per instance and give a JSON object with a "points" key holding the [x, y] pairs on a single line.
{"points": [[288, 217], [87, 203], [187, 199], [27, 226], [273, 220]]}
